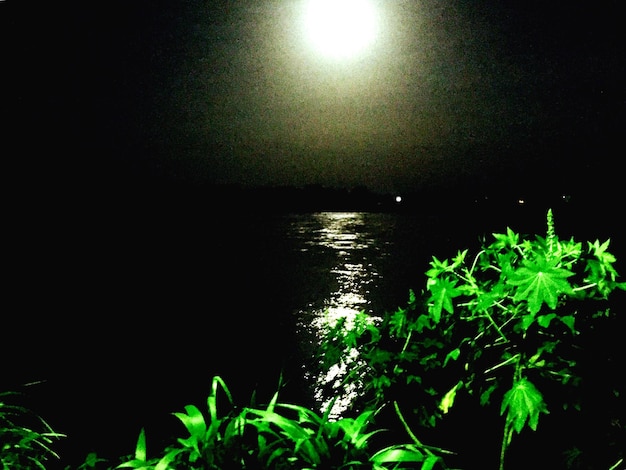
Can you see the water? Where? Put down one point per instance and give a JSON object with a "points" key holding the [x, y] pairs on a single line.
{"points": [[143, 314], [361, 264]]}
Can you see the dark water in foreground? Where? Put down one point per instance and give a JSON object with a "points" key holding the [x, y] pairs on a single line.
{"points": [[126, 323]]}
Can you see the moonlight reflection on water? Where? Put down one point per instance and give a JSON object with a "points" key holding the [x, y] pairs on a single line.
{"points": [[346, 235]]}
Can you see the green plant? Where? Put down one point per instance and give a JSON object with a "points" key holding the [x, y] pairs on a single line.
{"points": [[25, 438], [309, 440], [279, 436], [92, 462], [502, 325]]}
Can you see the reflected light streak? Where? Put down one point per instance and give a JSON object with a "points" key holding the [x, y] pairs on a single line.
{"points": [[344, 233]]}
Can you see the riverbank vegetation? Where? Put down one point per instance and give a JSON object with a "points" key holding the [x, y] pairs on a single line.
{"points": [[518, 334], [507, 357]]}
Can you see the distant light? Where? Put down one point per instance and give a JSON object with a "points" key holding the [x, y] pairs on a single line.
{"points": [[398, 199], [520, 201]]}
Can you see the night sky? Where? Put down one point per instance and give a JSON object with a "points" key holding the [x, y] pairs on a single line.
{"points": [[109, 96]]}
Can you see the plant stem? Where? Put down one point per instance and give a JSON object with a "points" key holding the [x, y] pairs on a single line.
{"points": [[414, 437], [506, 439], [406, 426], [504, 363]]}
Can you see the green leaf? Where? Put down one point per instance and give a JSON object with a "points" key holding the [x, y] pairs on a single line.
{"points": [[448, 400], [397, 322], [459, 258], [423, 321], [402, 454], [524, 403], [165, 462], [140, 448], [486, 395], [438, 267], [442, 293], [193, 420], [599, 251], [527, 320], [540, 281], [544, 320], [486, 299], [454, 355], [569, 322], [507, 240], [600, 269], [378, 356]]}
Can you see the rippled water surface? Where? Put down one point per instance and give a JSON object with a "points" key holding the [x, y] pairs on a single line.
{"points": [[359, 249]]}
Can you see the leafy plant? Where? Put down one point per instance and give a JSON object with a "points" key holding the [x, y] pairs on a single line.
{"points": [[312, 441], [25, 438], [279, 436], [502, 326], [92, 461]]}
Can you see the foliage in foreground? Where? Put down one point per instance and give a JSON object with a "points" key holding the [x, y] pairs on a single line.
{"points": [[280, 436], [503, 326], [25, 438]]}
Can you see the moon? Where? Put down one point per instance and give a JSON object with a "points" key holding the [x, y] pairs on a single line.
{"points": [[340, 29]]}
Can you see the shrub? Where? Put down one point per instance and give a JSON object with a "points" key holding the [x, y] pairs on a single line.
{"points": [[503, 326]]}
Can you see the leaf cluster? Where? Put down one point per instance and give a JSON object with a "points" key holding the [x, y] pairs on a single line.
{"points": [[279, 436], [25, 438], [500, 325]]}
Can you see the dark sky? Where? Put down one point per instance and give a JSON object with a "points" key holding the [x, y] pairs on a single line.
{"points": [[450, 93]]}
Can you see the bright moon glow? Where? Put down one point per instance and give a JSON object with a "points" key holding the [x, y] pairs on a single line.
{"points": [[340, 28]]}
